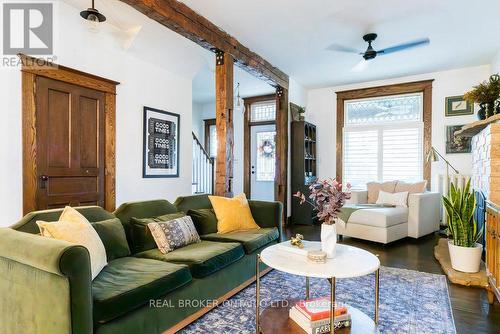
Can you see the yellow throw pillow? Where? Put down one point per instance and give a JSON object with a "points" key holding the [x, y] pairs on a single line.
{"points": [[233, 214], [73, 227]]}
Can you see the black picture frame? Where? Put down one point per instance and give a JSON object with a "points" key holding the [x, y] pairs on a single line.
{"points": [[454, 144], [161, 144], [451, 108]]}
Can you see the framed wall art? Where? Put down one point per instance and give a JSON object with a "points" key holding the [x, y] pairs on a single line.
{"points": [[161, 144], [457, 106], [456, 144]]}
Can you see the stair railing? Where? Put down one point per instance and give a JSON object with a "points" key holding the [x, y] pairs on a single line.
{"points": [[203, 177]]}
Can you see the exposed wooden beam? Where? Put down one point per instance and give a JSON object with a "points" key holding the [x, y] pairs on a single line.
{"points": [[281, 175], [224, 123], [180, 18]]}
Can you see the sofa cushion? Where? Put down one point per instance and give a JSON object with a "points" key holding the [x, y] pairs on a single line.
{"points": [[251, 239], [140, 234], [233, 214], [113, 237], [128, 283], [380, 217], [396, 199], [374, 187], [28, 222], [411, 188], [142, 209], [73, 227], [204, 220], [203, 258], [173, 234]]}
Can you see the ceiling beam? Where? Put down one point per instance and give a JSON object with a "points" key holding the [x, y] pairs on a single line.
{"points": [[180, 18]]}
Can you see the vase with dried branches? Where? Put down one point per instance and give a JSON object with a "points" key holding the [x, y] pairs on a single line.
{"points": [[327, 197]]}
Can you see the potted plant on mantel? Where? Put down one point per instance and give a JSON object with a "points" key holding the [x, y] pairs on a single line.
{"points": [[327, 198], [465, 251], [486, 95]]}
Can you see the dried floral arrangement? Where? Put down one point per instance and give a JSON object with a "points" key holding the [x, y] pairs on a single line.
{"points": [[485, 94], [327, 197]]}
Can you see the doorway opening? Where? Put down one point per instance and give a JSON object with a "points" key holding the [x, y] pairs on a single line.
{"points": [[260, 147]]}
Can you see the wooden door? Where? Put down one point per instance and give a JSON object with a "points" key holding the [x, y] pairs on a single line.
{"points": [[70, 127]]}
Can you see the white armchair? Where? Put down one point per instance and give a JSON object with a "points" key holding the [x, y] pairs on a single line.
{"points": [[388, 224]]}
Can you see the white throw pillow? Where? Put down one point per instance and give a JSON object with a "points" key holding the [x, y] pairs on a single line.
{"points": [[397, 199], [73, 227]]}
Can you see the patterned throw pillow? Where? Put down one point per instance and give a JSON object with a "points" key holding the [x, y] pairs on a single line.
{"points": [[173, 234]]}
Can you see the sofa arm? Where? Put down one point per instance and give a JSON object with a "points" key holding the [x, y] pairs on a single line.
{"points": [[45, 285], [267, 214], [423, 213], [358, 197]]}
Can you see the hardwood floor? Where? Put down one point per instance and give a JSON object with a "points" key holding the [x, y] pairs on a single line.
{"points": [[471, 310]]}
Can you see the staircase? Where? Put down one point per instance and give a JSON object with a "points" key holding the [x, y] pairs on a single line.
{"points": [[203, 177]]}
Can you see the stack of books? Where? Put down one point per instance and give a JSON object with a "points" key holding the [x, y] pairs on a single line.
{"points": [[313, 315]]}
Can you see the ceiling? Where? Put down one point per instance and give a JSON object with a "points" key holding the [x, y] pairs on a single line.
{"points": [[293, 34], [137, 35], [204, 82]]}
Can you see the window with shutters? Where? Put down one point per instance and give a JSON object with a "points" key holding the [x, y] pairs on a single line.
{"points": [[383, 139]]}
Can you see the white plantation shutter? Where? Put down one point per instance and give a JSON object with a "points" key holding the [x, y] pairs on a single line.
{"points": [[361, 158], [402, 154], [383, 140]]}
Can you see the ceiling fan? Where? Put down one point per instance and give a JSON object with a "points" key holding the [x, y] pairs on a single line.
{"points": [[371, 53]]}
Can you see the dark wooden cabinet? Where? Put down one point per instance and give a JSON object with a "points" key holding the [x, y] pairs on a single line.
{"points": [[304, 169]]}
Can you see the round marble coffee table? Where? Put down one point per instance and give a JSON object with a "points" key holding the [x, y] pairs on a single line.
{"points": [[348, 262]]}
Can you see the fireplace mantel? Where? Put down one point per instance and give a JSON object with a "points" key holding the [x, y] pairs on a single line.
{"points": [[472, 129]]}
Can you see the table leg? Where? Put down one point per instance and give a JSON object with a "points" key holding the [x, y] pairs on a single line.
{"points": [[257, 295], [307, 288], [377, 279], [332, 305]]}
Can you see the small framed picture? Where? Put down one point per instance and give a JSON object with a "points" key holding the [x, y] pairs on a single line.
{"points": [[457, 106], [161, 144], [455, 144]]}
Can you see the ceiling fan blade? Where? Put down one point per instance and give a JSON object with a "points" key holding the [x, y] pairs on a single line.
{"points": [[342, 48], [401, 47], [361, 66]]}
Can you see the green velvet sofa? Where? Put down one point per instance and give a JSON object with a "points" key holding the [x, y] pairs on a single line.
{"points": [[46, 286]]}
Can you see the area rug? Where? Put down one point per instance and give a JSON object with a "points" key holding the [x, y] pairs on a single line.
{"points": [[411, 302]]}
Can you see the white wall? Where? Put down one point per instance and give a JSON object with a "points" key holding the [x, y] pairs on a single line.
{"points": [[143, 83], [321, 110], [197, 121], [495, 64]]}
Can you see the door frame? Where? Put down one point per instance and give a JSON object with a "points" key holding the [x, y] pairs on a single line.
{"points": [[207, 124], [247, 140], [31, 68]]}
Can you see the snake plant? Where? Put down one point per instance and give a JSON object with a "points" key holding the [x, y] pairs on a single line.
{"points": [[460, 205]]}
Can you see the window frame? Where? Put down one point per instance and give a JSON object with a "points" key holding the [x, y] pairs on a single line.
{"points": [[424, 87]]}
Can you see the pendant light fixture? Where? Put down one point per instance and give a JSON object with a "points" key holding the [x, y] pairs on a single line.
{"points": [[93, 17], [238, 97]]}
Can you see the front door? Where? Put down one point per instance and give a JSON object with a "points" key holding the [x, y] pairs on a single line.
{"points": [[71, 142], [262, 161]]}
